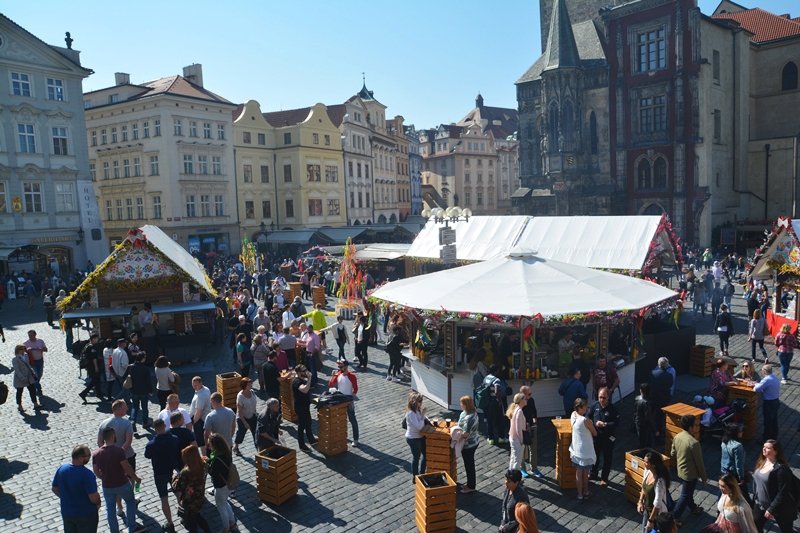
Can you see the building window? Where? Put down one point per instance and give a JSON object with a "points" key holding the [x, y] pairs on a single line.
{"points": [[55, 89], [264, 174], [177, 127], [262, 139], [126, 168], [103, 137], [333, 207], [202, 163], [156, 128], [137, 167], [289, 208], [651, 50], [129, 208], [366, 171], [206, 130], [118, 204], [350, 168], [192, 128], [94, 137], [331, 173], [313, 172], [219, 205], [467, 197], [156, 207], [20, 84], [287, 173], [287, 138], [114, 98], [315, 208], [188, 164], [191, 210], [65, 197], [367, 199], [145, 129], [109, 211], [644, 175], [114, 137], [246, 137], [135, 132], [216, 165], [652, 114], [27, 139], [315, 138], [327, 140], [60, 141], [358, 170], [220, 132], [115, 165], [717, 126], [106, 170], [479, 197], [205, 205], [139, 208], [124, 132], [789, 77], [466, 177], [715, 66], [352, 199], [32, 195], [660, 173], [360, 199], [92, 173], [553, 128], [154, 165], [593, 139], [248, 173], [266, 209]]}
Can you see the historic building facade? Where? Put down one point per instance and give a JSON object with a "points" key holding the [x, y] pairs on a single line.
{"points": [[48, 211], [414, 168], [397, 131], [161, 153]]}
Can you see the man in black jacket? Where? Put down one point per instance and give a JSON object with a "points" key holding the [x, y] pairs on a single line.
{"points": [[93, 363], [514, 494], [141, 390], [606, 419], [271, 374]]}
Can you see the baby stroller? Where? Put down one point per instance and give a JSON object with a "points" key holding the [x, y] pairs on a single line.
{"points": [[714, 419]]}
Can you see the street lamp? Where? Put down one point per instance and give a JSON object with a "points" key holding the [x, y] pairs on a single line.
{"points": [[80, 236], [451, 214]]}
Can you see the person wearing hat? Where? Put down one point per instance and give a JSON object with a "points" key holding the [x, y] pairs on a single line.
{"points": [[513, 494], [347, 383], [119, 368]]}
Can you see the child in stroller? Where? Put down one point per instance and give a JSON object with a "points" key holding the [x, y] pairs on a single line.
{"points": [[715, 418]]}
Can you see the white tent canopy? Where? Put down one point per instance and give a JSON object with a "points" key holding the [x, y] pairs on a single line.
{"points": [[522, 284], [479, 239]]}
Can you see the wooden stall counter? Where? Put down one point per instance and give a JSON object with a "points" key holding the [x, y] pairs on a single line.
{"points": [[673, 414], [332, 428], [749, 417], [439, 456], [565, 470]]}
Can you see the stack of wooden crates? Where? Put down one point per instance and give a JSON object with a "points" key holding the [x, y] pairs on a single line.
{"points": [[439, 456], [229, 385], [435, 506], [332, 427], [276, 474], [634, 472], [701, 361], [565, 470]]}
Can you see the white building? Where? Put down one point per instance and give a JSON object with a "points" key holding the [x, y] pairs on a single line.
{"points": [[48, 214], [161, 153]]}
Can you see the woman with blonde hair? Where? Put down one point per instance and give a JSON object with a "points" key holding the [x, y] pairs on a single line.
{"points": [[785, 343], [526, 518], [468, 422], [414, 422], [581, 450], [517, 426], [735, 515]]}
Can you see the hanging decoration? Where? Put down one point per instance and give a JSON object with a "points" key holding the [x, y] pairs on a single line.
{"points": [[249, 255], [352, 286], [656, 250]]}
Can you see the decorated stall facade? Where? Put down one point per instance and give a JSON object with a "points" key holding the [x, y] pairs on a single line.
{"points": [[778, 259], [526, 314], [146, 267]]}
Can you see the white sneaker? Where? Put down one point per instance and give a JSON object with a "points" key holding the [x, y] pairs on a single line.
{"points": [[783, 382], [388, 378], [397, 380]]}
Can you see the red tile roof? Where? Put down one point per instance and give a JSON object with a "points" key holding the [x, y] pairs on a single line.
{"points": [[764, 26], [290, 117]]}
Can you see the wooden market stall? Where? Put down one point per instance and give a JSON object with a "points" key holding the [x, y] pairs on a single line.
{"points": [[778, 259], [146, 267], [524, 314]]}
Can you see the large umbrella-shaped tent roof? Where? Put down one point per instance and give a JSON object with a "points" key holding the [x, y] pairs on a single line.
{"points": [[522, 284]]}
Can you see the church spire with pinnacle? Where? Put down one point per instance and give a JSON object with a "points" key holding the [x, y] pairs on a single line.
{"points": [[561, 52]]}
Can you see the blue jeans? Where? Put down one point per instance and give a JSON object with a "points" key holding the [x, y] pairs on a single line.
{"points": [[351, 415], [38, 366], [110, 496], [686, 499], [417, 450], [123, 393], [786, 359], [140, 402]]}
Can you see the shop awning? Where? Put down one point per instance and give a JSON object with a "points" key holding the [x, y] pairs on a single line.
{"points": [[6, 251], [109, 312], [382, 252], [340, 235], [290, 236]]}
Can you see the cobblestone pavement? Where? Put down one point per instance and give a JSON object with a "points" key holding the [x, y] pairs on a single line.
{"points": [[367, 489]]}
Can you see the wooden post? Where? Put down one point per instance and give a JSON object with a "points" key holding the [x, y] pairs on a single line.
{"points": [[634, 472], [276, 474], [565, 470], [439, 456], [229, 385], [287, 395], [674, 413], [435, 502], [332, 427]]}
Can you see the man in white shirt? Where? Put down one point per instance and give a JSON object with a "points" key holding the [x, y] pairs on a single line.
{"points": [[173, 406], [119, 368], [347, 383], [200, 407], [287, 318]]}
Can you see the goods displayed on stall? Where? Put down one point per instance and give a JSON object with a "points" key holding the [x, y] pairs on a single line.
{"points": [[778, 259], [352, 286], [249, 256], [276, 474], [287, 395], [435, 502], [332, 428], [634, 472], [749, 416], [565, 470], [229, 385], [673, 414], [702, 361], [439, 455]]}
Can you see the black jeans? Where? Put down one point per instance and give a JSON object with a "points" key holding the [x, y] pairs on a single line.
{"points": [[603, 447], [760, 343], [162, 397], [761, 521], [494, 420], [31, 391], [770, 412], [193, 521], [394, 363], [724, 337], [417, 452], [241, 430], [361, 353], [94, 383], [468, 454], [342, 356], [686, 499], [304, 425]]}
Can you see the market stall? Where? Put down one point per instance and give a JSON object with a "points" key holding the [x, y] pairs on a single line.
{"points": [[523, 313], [146, 267], [778, 259]]}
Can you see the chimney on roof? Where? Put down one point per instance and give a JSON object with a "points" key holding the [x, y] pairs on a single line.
{"points": [[122, 78], [194, 73]]}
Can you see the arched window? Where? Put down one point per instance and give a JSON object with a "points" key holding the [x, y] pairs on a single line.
{"points": [[644, 175], [593, 133], [568, 126], [653, 209], [660, 174], [553, 128], [789, 77]]}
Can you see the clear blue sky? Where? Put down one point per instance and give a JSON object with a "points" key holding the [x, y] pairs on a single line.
{"points": [[425, 60]]}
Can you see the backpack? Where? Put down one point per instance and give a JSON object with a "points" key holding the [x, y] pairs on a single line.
{"points": [[482, 396], [84, 361]]}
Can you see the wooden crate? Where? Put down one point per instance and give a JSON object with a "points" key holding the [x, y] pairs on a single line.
{"points": [[673, 414], [634, 472], [295, 289], [435, 507], [748, 417], [565, 470], [439, 456], [318, 296], [701, 360], [276, 474], [287, 395], [332, 429], [229, 385]]}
